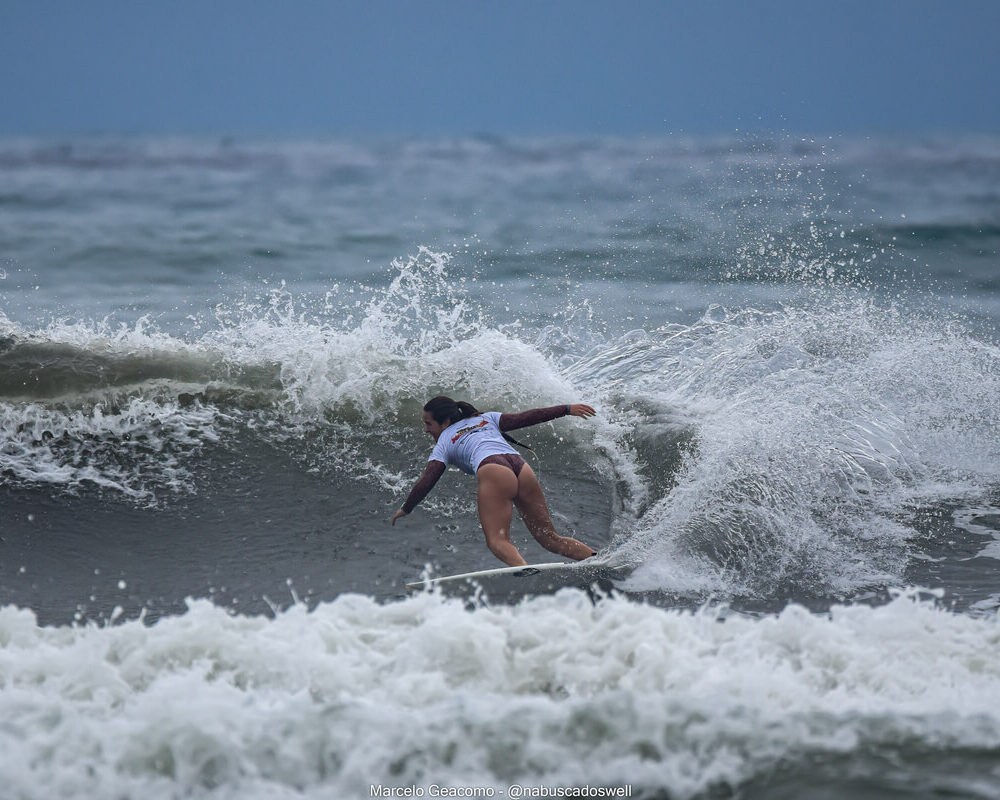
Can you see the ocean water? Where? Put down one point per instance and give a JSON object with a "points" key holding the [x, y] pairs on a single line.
{"points": [[213, 356]]}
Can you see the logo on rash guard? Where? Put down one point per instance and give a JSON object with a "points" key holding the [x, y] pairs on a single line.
{"points": [[471, 429]]}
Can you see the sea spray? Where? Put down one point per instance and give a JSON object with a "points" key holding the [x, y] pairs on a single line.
{"points": [[797, 442]]}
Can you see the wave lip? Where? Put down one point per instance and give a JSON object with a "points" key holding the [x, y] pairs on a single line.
{"points": [[46, 370]]}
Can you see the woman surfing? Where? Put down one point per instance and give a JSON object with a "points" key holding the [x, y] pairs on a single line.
{"points": [[478, 444]]}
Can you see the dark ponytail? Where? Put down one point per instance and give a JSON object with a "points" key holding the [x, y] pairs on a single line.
{"points": [[443, 408]]}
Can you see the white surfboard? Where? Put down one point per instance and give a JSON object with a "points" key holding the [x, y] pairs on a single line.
{"points": [[530, 579]]}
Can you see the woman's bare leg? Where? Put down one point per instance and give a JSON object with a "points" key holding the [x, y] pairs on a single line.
{"points": [[496, 489], [530, 502]]}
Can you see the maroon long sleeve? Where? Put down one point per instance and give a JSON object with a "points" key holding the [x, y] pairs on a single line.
{"points": [[536, 416], [432, 474]]}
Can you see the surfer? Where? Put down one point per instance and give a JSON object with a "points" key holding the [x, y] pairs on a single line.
{"points": [[478, 444]]}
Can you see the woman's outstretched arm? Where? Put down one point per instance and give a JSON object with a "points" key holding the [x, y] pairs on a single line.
{"points": [[511, 422], [432, 474]]}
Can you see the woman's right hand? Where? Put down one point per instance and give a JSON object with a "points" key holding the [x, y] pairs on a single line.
{"points": [[581, 410]]}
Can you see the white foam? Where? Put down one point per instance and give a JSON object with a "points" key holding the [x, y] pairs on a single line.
{"points": [[392, 344], [553, 691], [370, 358], [810, 432], [133, 449]]}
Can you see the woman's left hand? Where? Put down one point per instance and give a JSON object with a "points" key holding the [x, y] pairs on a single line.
{"points": [[581, 410], [397, 515]]}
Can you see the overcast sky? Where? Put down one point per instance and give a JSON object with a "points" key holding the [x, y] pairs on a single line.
{"points": [[426, 67]]}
